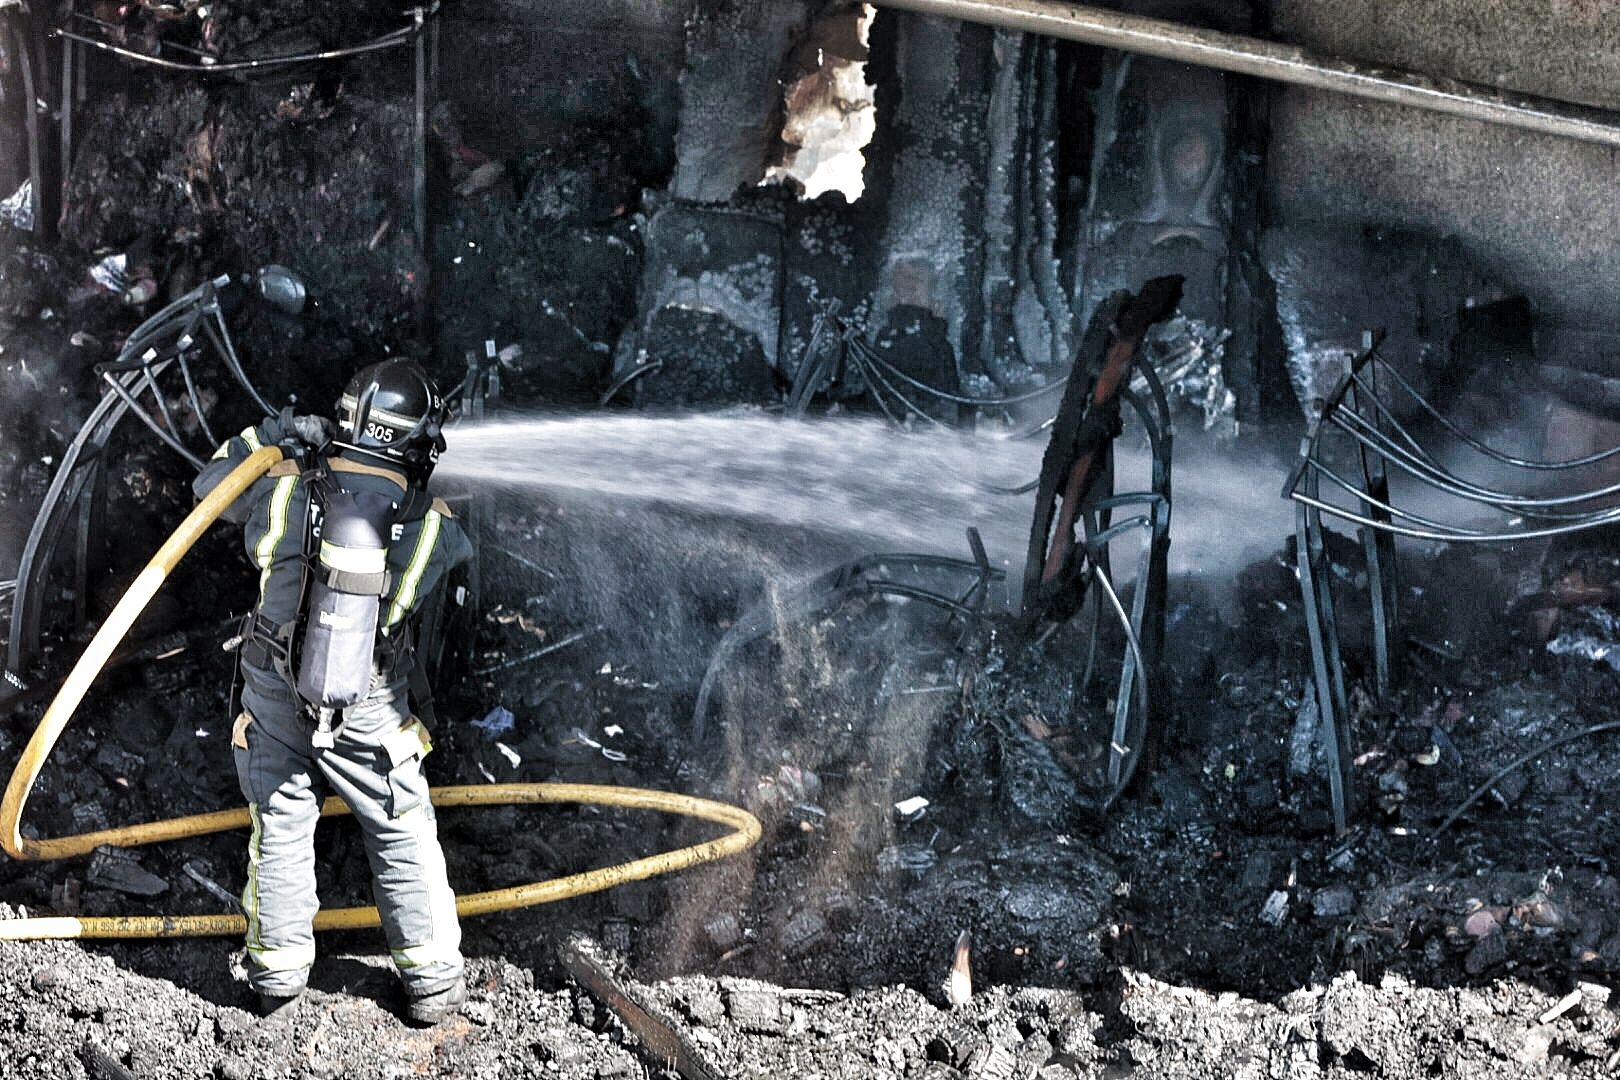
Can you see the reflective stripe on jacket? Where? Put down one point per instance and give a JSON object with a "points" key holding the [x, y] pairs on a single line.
{"points": [[275, 515]]}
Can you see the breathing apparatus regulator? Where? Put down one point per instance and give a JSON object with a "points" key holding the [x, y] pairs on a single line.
{"points": [[392, 414]]}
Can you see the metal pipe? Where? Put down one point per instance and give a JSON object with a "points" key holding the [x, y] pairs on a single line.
{"points": [[1528, 505], [1274, 60], [1324, 663], [419, 136], [870, 356], [424, 263], [1135, 646], [146, 418], [1364, 496], [220, 335], [197, 409], [627, 378], [1486, 449], [65, 130], [157, 393], [34, 566], [874, 378], [117, 31], [1528, 755], [1608, 518], [1388, 417], [387, 41], [36, 175]]}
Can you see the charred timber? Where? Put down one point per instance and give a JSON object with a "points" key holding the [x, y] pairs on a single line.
{"points": [[1275, 60], [661, 1036]]}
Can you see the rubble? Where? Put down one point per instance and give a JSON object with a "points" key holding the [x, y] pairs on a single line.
{"points": [[17, 209], [1049, 906], [113, 868], [1596, 637]]}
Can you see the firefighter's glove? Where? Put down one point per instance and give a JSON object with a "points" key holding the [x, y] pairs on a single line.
{"points": [[317, 431], [300, 434]]}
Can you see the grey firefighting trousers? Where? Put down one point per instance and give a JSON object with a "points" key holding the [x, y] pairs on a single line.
{"points": [[376, 768]]}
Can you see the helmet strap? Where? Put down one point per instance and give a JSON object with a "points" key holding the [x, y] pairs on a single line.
{"points": [[362, 411]]}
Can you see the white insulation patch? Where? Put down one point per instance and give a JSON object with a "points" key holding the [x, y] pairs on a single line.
{"points": [[831, 118]]}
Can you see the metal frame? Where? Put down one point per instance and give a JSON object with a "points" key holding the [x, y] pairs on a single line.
{"points": [[1077, 487], [819, 368], [868, 575], [1140, 687], [23, 39], [1283, 62], [171, 340], [1081, 445], [1362, 418]]}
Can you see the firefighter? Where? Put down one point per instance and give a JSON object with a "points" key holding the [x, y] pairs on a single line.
{"points": [[348, 545]]}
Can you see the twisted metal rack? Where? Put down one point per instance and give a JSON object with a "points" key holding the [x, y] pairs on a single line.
{"points": [[1380, 420], [158, 377], [1064, 570], [165, 350]]}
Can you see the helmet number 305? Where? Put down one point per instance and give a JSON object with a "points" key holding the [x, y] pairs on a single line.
{"points": [[380, 432]]}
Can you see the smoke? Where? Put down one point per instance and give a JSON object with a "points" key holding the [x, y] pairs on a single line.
{"points": [[1227, 505], [664, 531]]}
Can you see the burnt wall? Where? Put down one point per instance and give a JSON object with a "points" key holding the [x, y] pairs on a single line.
{"points": [[1542, 213], [525, 75]]}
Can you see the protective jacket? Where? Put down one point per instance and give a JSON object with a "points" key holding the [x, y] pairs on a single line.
{"points": [[276, 513], [373, 762]]}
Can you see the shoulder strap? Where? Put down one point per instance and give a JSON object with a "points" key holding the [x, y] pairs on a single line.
{"points": [[319, 480], [414, 506]]}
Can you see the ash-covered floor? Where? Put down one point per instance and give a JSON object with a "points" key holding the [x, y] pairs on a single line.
{"points": [[1209, 925], [932, 787]]}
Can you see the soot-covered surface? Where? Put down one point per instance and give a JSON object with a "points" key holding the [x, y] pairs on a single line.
{"points": [[1209, 925]]}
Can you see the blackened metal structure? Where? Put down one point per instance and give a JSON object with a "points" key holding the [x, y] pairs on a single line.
{"points": [[18, 22], [839, 352], [1375, 426], [1077, 487], [1276, 60], [896, 575], [155, 379]]}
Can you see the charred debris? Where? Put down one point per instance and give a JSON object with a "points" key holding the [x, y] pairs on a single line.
{"points": [[1344, 808]]}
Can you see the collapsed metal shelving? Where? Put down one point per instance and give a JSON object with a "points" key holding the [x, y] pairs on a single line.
{"points": [[159, 360], [1362, 421], [1069, 565], [155, 378]]}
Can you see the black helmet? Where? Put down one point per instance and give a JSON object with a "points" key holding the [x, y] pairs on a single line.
{"points": [[392, 411]]}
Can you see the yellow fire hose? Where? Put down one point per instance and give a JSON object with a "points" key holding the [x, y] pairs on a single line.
{"points": [[745, 827]]}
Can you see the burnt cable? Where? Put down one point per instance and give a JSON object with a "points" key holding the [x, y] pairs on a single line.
{"points": [[1529, 755]]}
